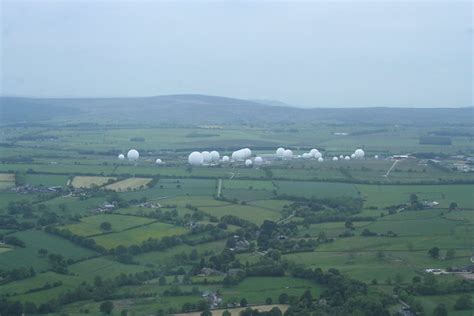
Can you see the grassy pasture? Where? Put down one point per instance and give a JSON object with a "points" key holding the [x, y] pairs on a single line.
{"points": [[102, 267], [128, 184], [430, 302], [316, 189], [159, 258], [7, 181], [247, 184], [39, 280], [276, 205], [332, 229], [236, 311], [90, 181], [170, 188], [256, 289], [90, 225], [46, 180], [74, 205], [35, 240], [182, 201], [386, 195], [139, 234], [251, 213], [247, 195]]}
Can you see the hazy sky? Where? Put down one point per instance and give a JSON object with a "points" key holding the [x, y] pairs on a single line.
{"points": [[315, 54]]}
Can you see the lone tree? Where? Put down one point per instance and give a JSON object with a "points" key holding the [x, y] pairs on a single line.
{"points": [[106, 226], [464, 303], [434, 252], [106, 307], [453, 206], [440, 310], [243, 302], [450, 254], [283, 298]]}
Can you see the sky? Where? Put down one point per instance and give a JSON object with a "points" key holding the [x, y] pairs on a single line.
{"points": [[311, 54]]}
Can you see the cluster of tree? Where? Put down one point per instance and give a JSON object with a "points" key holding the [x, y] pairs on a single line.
{"points": [[77, 239], [13, 240], [175, 290], [275, 311], [46, 286], [367, 233], [58, 263], [100, 290], [431, 286], [16, 274], [343, 295], [10, 222], [414, 203]]}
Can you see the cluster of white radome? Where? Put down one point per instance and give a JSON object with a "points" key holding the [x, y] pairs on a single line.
{"points": [[197, 158], [133, 155], [313, 153], [358, 154], [204, 158], [245, 155]]}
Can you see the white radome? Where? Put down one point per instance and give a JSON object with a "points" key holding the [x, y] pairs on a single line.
{"points": [[225, 159], [247, 152], [359, 154], [206, 156], [314, 152], [353, 156], [341, 157], [133, 155], [376, 157], [335, 159], [158, 161], [287, 154], [347, 158], [215, 155], [320, 159], [258, 160], [196, 158], [318, 155], [279, 152], [121, 157], [238, 155], [248, 162]]}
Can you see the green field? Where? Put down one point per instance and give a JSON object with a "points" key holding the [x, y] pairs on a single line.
{"points": [[80, 155], [90, 225], [137, 235], [35, 240], [89, 182], [247, 212]]}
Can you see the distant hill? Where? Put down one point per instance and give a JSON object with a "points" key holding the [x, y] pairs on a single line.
{"points": [[203, 109]]}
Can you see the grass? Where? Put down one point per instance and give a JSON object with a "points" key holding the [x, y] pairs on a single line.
{"points": [[386, 195], [46, 180], [257, 289], [137, 235], [7, 181], [160, 258], [90, 225], [248, 184], [316, 189], [248, 212], [35, 240], [90, 181], [237, 311], [129, 184]]}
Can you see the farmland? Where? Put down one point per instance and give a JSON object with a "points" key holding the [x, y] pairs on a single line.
{"points": [[158, 239], [89, 182]]}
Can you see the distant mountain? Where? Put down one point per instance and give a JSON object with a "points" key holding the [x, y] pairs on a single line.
{"points": [[204, 109]]}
